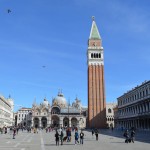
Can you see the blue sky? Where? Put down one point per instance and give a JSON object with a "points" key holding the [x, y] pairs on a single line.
{"points": [[55, 33]]}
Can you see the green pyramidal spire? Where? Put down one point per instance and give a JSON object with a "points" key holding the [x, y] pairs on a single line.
{"points": [[94, 34]]}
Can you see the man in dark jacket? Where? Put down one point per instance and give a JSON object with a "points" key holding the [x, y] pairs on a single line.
{"points": [[96, 134], [92, 132], [132, 135], [126, 135], [68, 135], [61, 137], [57, 138], [81, 137]]}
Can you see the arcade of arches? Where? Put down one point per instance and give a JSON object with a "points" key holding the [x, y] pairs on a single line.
{"points": [[56, 121]]}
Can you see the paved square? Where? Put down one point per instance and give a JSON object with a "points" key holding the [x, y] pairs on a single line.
{"points": [[108, 140]]}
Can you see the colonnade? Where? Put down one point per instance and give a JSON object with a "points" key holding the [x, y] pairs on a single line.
{"points": [[141, 123]]}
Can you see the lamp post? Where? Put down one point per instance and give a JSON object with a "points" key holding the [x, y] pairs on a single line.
{"points": [[68, 112], [93, 118]]}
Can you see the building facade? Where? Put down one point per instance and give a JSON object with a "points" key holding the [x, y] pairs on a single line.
{"points": [[59, 114], [134, 108], [96, 85], [110, 114], [24, 117], [6, 112]]}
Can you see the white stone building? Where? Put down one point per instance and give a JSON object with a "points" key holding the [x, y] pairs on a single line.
{"points": [[6, 111], [60, 114], [134, 108], [110, 114], [24, 116]]}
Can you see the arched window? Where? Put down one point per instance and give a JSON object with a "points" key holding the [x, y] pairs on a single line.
{"points": [[92, 55], [140, 94], [143, 93], [109, 110], [55, 110], [146, 92], [99, 55]]}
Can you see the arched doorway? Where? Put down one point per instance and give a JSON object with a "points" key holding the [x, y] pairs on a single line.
{"points": [[44, 122], [65, 122], [16, 120], [24, 124], [55, 121], [74, 122], [36, 122], [29, 123]]}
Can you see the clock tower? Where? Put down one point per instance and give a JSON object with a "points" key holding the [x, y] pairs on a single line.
{"points": [[96, 85]]}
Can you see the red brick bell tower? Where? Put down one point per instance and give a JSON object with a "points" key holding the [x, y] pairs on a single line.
{"points": [[96, 82]]}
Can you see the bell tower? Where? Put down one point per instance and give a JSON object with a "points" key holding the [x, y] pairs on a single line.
{"points": [[96, 85]]}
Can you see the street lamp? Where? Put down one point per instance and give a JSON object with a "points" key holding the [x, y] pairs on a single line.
{"points": [[93, 118], [68, 111]]}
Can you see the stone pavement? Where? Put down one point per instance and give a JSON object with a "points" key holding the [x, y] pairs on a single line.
{"points": [[108, 140]]}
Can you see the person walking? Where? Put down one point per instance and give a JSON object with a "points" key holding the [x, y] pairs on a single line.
{"points": [[76, 137], [5, 130], [68, 135], [14, 132], [81, 137], [61, 137], [126, 135], [132, 136], [1, 130], [17, 129], [96, 134], [57, 138], [92, 132]]}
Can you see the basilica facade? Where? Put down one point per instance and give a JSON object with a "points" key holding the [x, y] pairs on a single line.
{"points": [[59, 114]]}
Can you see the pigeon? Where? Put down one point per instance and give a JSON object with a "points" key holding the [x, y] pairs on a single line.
{"points": [[8, 11]]}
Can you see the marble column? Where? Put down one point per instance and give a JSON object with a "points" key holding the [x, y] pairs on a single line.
{"points": [[69, 122], [61, 122], [32, 122], [40, 123]]}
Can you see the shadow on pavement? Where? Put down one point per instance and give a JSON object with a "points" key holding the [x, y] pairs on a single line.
{"points": [[141, 136], [59, 144]]}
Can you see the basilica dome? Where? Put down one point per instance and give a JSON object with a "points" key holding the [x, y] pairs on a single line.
{"points": [[60, 100], [45, 102]]}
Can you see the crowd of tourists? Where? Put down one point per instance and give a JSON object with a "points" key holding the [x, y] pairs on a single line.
{"points": [[66, 137], [65, 134], [129, 136]]}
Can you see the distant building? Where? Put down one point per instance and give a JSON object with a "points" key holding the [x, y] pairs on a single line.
{"points": [[110, 114], [115, 116], [6, 111], [134, 108], [24, 116], [60, 114]]}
